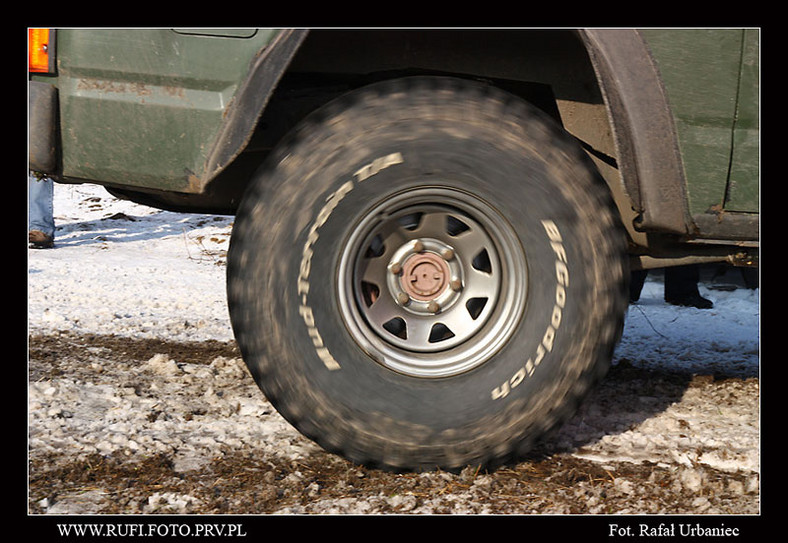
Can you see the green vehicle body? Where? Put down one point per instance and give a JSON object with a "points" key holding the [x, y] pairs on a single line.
{"points": [[180, 118]]}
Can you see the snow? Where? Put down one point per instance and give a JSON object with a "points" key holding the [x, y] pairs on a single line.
{"points": [[724, 339], [130, 270], [164, 272], [127, 269]]}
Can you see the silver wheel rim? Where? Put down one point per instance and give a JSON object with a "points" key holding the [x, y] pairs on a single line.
{"points": [[432, 282]]}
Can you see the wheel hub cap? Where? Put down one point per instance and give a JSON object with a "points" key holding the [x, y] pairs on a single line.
{"points": [[432, 289], [424, 276]]}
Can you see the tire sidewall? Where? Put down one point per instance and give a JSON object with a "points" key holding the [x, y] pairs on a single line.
{"points": [[307, 203], [362, 385]]}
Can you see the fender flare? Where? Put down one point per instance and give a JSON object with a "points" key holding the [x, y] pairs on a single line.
{"points": [[644, 131], [631, 85], [251, 99]]}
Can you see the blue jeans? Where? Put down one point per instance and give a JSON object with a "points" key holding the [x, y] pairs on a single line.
{"points": [[40, 205]]}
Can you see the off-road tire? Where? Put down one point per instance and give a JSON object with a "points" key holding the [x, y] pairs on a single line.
{"points": [[306, 267]]}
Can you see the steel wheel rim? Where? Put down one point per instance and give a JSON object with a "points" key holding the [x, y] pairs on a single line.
{"points": [[432, 282]]}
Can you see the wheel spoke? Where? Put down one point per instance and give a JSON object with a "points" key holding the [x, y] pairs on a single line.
{"points": [[383, 310], [375, 267], [375, 270], [458, 321], [469, 244], [393, 235], [418, 330], [432, 225], [480, 284]]}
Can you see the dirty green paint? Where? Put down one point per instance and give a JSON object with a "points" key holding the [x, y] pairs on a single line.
{"points": [[143, 107], [172, 86], [743, 190], [710, 77]]}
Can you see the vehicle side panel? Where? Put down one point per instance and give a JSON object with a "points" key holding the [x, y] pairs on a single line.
{"points": [[144, 107], [743, 190], [701, 73]]}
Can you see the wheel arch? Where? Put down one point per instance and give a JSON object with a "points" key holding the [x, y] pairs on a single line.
{"points": [[602, 85], [644, 130], [254, 93]]}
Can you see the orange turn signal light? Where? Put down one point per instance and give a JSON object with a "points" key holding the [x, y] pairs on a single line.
{"points": [[38, 50]]}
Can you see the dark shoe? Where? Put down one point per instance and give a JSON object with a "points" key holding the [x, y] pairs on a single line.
{"points": [[690, 300], [40, 240]]}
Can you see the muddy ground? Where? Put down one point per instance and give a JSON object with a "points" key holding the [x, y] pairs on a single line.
{"points": [[142, 427]]}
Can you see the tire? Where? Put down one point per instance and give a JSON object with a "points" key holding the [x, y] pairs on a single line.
{"points": [[428, 273]]}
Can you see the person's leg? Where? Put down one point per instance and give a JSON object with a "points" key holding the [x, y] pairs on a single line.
{"points": [[41, 222], [636, 281], [681, 287], [750, 277]]}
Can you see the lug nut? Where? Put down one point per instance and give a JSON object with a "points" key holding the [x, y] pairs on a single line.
{"points": [[455, 283], [403, 298], [447, 253], [433, 307], [418, 246], [395, 267]]}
